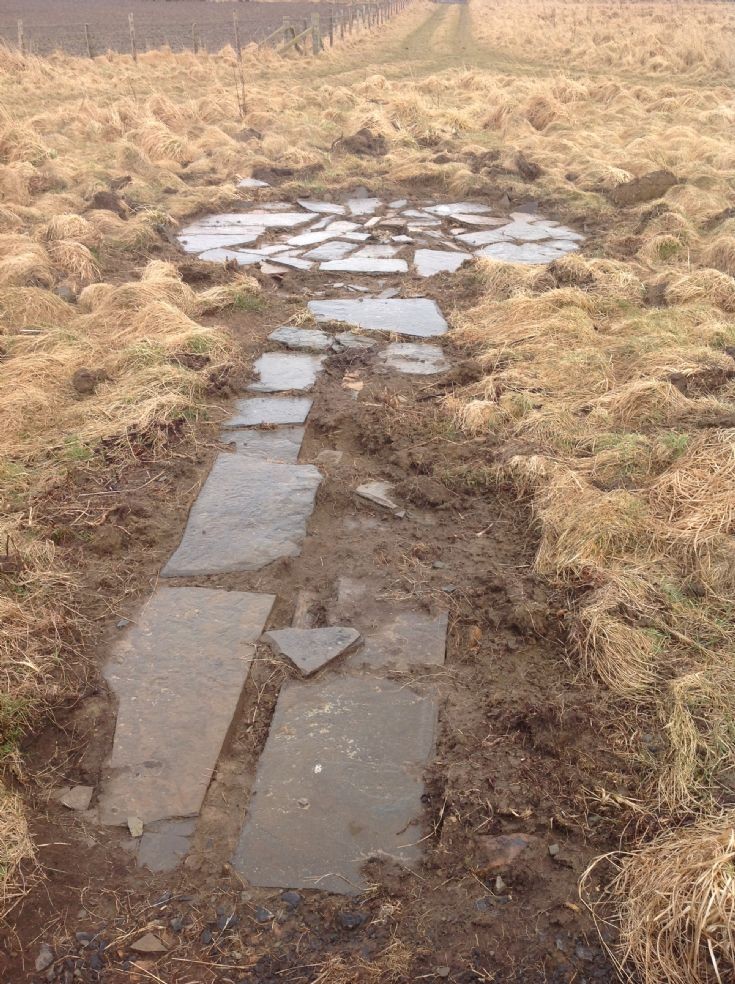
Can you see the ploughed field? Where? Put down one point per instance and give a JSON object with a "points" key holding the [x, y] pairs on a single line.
{"points": [[49, 25]]}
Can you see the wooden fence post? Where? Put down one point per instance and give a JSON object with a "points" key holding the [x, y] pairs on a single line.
{"points": [[316, 34], [331, 29], [133, 46], [88, 41], [236, 25], [195, 38], [21, 38]]}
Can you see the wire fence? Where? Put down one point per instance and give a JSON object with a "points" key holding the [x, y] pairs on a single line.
{"points": [[306, 25]]}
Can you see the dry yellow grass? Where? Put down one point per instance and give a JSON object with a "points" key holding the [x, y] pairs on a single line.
{"points": [[608, 372]]}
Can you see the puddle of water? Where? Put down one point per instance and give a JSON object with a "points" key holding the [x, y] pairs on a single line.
{"points": [[415, 358], [278, 444]]}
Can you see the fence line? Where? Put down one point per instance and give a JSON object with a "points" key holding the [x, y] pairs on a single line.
{"points": [[302, 35]]}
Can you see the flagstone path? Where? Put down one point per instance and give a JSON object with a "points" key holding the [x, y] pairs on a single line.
{"points": [[340, 778]]}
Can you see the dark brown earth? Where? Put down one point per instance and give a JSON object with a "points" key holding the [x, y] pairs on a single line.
{"points": [[522, 747], [50, 25]]}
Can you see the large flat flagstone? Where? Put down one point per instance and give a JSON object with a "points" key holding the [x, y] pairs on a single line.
{"points": [[261, 216], [177, 675], [247, 514], [204, 241], [302, 338], [260, 410], [364, 264], [277, 444], [431, 261], [323, 208], [394, 635], [333, 250], [527, 252], [415, 316], [463, 208], [279, 371], [339, 782]]}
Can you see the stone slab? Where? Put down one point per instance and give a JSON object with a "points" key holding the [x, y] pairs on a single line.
{"points": [[364, 264], [311, 649], [268, 218], [75, 797], [376, 251], [165, 844], [431, 261], [322, 208], [339, 782], [260, 410], [379, 493], [482, 238], [527, 252], [302, 338], [419, 317], [203, 242], [280, 371], [415, 358], [394, 635], [248, 514], [177, 675], [463, 208], [349, 340], [363, 206], [280, 444], [335, 249]]}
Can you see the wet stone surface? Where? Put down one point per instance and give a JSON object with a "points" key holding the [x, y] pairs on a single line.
{"points": [[334, 228], [415, 316], [365, 264], [339, 781], [164, 844], [311, 649], [414, 358], [170, 728], [281, 444], [261, 410], [280, 371], [248, 514], [431, 261], [393, 635], [302, 338]]}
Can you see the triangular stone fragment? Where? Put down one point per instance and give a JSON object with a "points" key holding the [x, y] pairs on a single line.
{"points": [[311, 649]]}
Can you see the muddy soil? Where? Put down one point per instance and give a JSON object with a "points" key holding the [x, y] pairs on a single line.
{"points": [[522, 746]]}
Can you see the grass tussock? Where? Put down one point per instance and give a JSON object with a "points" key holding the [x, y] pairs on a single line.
{"points": [[674, 906]]}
